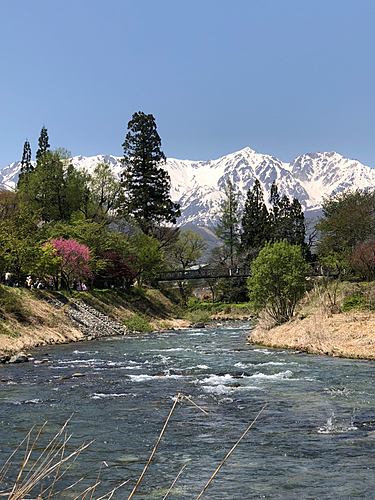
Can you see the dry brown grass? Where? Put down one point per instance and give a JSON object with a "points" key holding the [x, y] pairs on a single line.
{"points": [[317, 329], [45, 323], [38, 467]]}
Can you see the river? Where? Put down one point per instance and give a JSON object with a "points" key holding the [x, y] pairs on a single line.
{"points": [[314, 440]]}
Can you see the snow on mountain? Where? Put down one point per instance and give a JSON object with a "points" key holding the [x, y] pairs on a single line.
{"points": [[9, 175], [199, 185]]}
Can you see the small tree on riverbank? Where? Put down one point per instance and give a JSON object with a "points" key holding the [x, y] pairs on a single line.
{"points": [[277, 281], [74, 263]]}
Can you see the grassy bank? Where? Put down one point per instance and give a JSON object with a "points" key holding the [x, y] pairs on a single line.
{"points": [[335, 320], [28, 318]]}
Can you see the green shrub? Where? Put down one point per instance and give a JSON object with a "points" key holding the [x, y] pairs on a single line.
{"points": [[278, 280], [227, 309], [356, 302], [193, 302], [198, 316], [138, 323]]}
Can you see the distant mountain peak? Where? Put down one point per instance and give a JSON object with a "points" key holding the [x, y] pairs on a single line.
{"points": [[199, 185]]}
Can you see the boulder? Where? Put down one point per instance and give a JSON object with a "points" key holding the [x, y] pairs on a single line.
{"points": [[19, 358], [41, 361], [4, 357], [198, 325]]}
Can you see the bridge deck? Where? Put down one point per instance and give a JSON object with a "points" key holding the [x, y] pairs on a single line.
{"points": [[203, 273]]}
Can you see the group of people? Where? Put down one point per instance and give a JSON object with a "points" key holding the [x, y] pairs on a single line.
{"points": [[29, 282], [40, 284]]}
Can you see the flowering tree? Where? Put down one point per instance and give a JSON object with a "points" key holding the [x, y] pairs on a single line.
{"points": [[117, 267], [74, 263]]}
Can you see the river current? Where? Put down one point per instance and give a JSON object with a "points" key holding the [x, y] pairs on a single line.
{"points": [[314, 440]]}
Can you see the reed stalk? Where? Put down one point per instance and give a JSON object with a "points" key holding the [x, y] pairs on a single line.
{"points": [[159, 439], [53, 457], [230, 452], [174, 482]]}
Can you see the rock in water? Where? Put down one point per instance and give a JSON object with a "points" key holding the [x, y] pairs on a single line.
{"points": [[19, 358], [4, 357]]}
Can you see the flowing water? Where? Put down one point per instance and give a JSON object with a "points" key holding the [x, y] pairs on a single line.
{"points": [[315, 439]]}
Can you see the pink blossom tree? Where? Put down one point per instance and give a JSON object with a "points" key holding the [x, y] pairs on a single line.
{"points": [[74, 261]]}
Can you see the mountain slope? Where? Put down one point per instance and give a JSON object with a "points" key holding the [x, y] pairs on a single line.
{"points": [[199, 185]]}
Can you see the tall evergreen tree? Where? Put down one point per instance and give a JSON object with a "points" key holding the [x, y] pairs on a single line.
{"points": [[228, 228], [146, 198], [26, 165], [42, 143], [274, 200], [256, 229], [287, 219]]}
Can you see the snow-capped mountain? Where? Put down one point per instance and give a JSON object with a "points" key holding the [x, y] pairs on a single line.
{"points": [[199, 185]]}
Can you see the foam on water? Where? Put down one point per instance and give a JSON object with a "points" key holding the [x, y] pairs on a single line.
{"points": [[143, 377], [276, 376], [96, 395], [221, 389], [333, 427]]}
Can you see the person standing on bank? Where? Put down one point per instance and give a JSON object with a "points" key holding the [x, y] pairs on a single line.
{"points": [[7, 278]]}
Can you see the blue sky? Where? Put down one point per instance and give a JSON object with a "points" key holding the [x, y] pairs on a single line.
{"points": [[284, 77]]}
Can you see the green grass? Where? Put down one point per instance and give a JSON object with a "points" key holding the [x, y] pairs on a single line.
{"points": [[4, 331], [138, 323], [356, 302], [195, 304]]}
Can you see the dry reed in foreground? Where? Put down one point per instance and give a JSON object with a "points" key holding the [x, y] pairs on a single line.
{"points": [[53, 460], [36, 468]]}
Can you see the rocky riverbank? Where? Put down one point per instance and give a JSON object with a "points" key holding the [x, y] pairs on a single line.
{"points": [[40, 319]]}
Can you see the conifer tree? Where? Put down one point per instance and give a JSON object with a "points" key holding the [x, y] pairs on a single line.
{"points": [[228, 228], [42, 143], [26, 165], [146, 184], [287, 219], [256, 230]]}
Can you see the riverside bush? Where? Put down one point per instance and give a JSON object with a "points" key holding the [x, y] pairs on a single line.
{"points": [[138, 323], [356, 302], [278, 280], [198, 316]]}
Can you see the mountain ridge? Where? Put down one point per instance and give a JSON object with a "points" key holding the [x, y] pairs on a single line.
{"points": [[199, 185]]}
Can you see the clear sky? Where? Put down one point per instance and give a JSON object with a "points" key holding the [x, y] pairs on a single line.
{"points": [[284, 77]]}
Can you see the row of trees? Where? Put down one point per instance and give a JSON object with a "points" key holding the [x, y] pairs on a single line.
{"points": [[72, 225], [244, 234], [120, 229], [345, 248], [341, 243]]}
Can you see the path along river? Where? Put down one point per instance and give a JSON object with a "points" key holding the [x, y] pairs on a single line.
{"points": [[315, 440]]}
